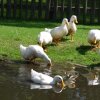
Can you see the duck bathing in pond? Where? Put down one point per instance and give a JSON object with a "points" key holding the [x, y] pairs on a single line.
{"points": [[44, 79], [34, 51]]}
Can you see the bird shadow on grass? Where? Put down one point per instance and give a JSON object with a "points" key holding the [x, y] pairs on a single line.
{"points": [[82, 49]]}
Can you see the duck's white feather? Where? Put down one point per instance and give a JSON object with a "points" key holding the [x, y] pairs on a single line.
{"points": [[47, 30]]}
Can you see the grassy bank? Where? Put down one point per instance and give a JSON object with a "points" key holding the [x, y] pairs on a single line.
{"points": [[14, 33]]}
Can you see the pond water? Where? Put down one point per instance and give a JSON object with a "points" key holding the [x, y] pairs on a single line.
{"points": [[15, 84]]}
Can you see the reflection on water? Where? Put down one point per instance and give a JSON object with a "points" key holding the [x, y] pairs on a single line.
{"points": [[15, 83], [44, 87], [25, 76]]}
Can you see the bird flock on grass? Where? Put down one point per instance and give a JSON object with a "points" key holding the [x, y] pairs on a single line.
{"points": [[54, 35], [49, 36]]}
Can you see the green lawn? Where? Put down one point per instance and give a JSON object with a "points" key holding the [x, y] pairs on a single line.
{"points": [[14, 33]]}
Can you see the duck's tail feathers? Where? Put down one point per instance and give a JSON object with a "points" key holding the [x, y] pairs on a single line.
{"points": [[21, 46], [47, 30]]}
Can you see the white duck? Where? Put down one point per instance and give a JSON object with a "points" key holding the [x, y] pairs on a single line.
{"points": [[34, 51], [72, 26], [44, 38], [94, 37], [59, 32], [44, 79]]}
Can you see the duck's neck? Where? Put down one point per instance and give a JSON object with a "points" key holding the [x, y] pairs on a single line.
{"points": [[63, 24], [46, 58], [71, 21]]}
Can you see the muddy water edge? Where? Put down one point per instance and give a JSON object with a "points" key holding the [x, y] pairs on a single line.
{"points": [[15, 84]]}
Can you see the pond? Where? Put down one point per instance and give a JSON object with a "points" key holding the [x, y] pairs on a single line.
{"points": [[15, 84]]}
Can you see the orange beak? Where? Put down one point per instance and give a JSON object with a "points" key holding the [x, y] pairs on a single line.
{"points": [[62, 84]]}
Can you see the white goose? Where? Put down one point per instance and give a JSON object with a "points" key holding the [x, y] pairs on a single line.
{"points": [[44, 38], [94, 37], [72, 26], [58, 33], [44, 79], [34, 51]]}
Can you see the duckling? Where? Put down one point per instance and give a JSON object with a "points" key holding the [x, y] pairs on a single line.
{"points": [[72, 26], [34, 51]]}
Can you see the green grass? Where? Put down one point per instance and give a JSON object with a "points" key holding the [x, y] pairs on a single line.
{"points": [[14, 33]]}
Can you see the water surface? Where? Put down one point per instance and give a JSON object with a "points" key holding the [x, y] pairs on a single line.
{"points": [[15, 82]]}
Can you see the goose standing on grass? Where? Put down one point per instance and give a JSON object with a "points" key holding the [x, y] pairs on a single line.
{"points": [[44, 79], [94, 38], [72, 26], [34, 51], [44, 38], [58, 33]]}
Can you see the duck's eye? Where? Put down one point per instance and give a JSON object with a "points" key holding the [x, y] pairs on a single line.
{"points": [[59, 79]]}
